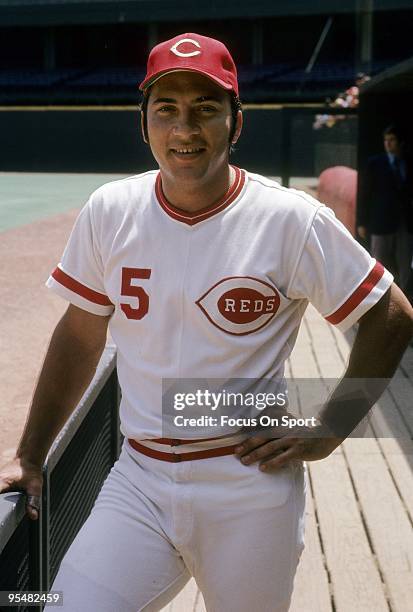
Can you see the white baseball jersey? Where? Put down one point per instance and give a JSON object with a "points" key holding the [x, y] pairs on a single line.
{"points": [[212, 294]]}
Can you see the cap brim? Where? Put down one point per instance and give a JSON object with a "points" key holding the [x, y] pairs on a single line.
{"points": [[152, 79]]}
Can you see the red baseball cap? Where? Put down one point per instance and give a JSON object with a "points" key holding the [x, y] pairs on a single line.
{"points": [[195, 53]]}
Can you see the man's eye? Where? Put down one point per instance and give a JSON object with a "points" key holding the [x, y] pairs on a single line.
{"points": [[207, 109], [165, 109]]}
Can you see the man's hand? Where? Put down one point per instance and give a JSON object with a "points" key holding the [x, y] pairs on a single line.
{"points": [[299, 445], [21, 475]]}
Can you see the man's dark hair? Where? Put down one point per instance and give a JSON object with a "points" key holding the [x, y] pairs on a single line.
{"points": [[395, 130], [235, 107]]}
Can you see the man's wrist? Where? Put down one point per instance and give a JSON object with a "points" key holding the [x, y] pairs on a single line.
{"points": [[28, 455], [326, 431]]}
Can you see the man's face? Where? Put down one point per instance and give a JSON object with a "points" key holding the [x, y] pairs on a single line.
{"points": [[189, 122], [392, 144]]}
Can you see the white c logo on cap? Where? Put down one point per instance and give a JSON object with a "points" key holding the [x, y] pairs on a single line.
{"points": [[174, 49]]}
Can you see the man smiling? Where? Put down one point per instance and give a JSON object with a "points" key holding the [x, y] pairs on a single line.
{"points": [[189, 121], [201, 270]]}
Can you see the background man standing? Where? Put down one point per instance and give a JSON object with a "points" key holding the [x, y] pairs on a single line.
{"points": [[385, 208]]}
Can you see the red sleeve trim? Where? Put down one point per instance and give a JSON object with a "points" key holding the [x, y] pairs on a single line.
{"points": [[358, 296], [74, 285]]}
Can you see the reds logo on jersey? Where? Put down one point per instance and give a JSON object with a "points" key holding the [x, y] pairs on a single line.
{"points": [[240, 305]]}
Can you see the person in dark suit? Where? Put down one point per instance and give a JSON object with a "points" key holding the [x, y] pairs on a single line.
{"points": [[385, 207]]}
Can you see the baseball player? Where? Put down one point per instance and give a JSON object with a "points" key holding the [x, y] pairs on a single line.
{"points": [[201, 270]]}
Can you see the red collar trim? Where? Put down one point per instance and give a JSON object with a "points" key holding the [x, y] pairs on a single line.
{"points": [[195, 217]]}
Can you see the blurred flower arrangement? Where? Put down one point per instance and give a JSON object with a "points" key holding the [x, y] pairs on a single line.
{"points": [[346, 99]]}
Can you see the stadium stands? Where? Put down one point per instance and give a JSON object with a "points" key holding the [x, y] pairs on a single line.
{"points": [[92, 51], [271, 83]]}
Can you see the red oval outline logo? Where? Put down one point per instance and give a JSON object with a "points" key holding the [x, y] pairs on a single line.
{"points": [[246, 305]]}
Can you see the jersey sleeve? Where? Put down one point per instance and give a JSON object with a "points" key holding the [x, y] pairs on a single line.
{"points": [[79, 277], [336, 274]]}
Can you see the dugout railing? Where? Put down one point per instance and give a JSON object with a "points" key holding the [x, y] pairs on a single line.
{"points": [[76, 466]]}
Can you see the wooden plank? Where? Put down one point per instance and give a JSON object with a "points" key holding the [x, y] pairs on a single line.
{"points": [[328, 360], [327, 357], [304, 367], [302, 360], [396, 447], [401, 388], [370, 461], [387, 421], [386, 519], [355, 579], [399, 459], [389, 426], [407, 363], [341, 343], [394, 439], [311, 588], [325, 346]]}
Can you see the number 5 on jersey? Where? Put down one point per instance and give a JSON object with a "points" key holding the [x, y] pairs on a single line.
{"points": [[141, 306]]}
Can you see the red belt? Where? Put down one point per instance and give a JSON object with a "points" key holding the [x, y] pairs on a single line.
{"points": [[177, 458]]}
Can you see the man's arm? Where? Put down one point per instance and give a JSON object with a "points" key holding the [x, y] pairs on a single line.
{"points": [[382, 337], [75, 348]]}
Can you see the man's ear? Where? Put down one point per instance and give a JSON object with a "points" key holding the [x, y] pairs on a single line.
{"points": [[143, 128], [238, 127]]}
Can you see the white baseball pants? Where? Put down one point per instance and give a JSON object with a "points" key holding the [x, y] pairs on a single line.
{"points": [[237, 530]]}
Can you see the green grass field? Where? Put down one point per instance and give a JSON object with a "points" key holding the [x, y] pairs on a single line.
{"points": [[27, 197]]}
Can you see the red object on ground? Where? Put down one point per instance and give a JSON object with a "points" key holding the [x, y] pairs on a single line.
{"points": [[337, 188]]}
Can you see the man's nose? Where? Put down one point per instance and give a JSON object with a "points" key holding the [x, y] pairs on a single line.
{"points": [[186, 124]]}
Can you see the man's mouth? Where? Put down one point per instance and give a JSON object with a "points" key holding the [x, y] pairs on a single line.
{"points": [[187, 150]]}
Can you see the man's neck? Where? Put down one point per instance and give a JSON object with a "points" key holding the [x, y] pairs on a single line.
{"points": [[191, 197]]}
